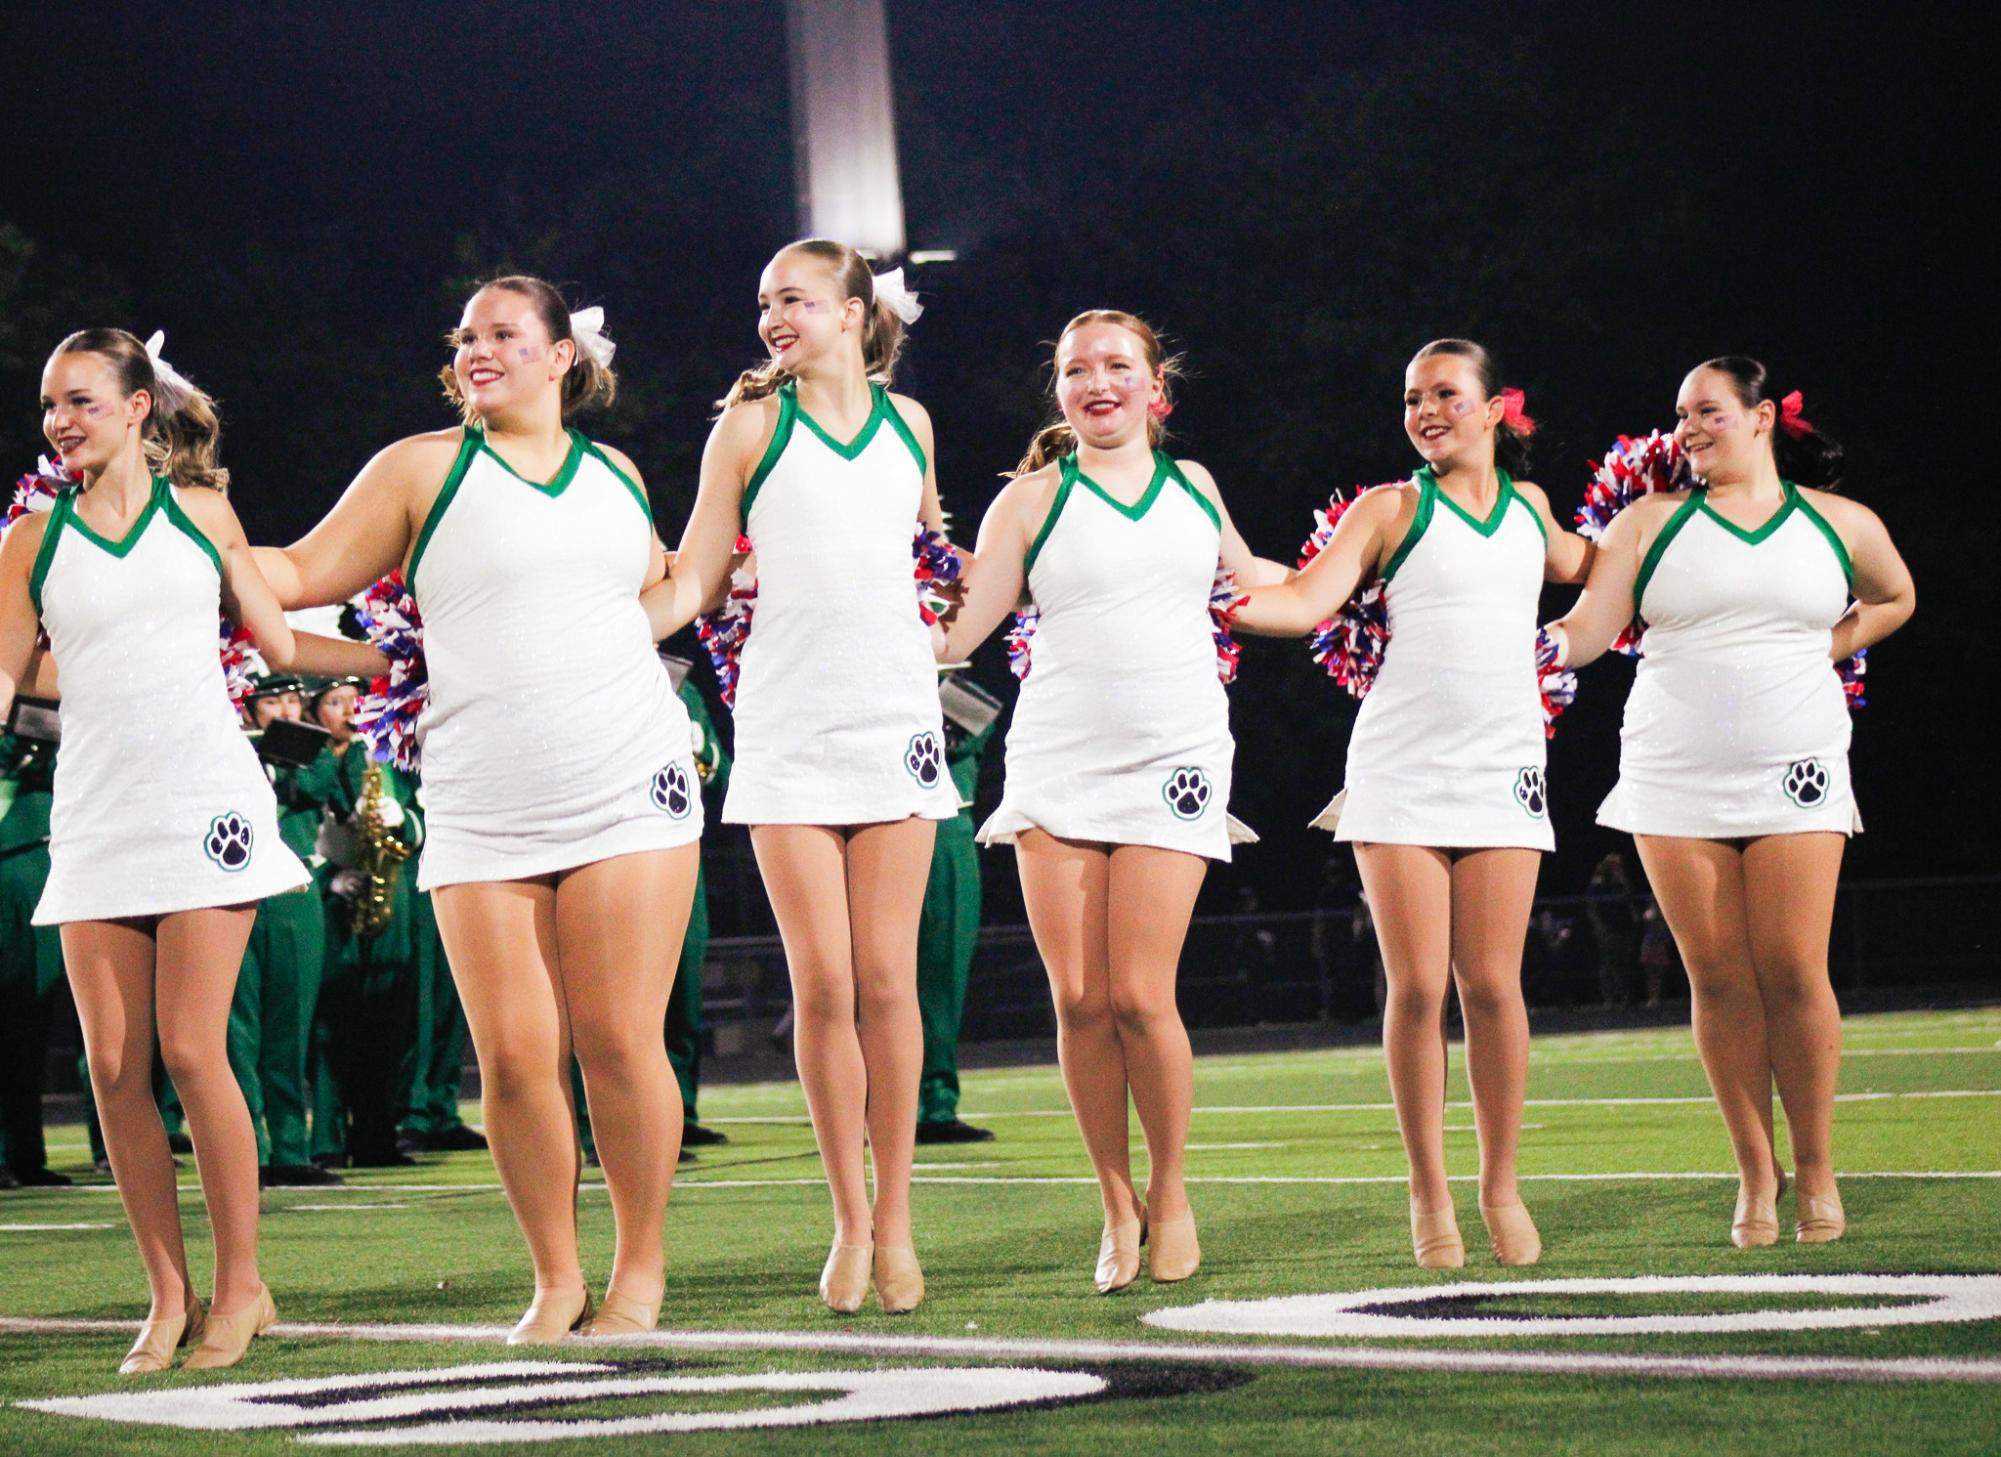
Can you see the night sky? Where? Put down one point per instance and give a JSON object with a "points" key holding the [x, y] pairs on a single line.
{"points": [[1299, 195]]}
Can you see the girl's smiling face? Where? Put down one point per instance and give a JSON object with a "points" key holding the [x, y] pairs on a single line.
{"points": [[801, 310], [1446, 413], [502, 355], [1104, 385], [86, 415]]}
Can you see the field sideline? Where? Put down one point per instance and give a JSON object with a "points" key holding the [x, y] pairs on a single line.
{"points": [[406, 1278]]}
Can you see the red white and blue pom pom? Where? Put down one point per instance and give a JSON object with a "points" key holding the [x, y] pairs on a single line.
{"points": [[725, 631], [1632, 468], [1019, 639], [386, 715], [36, 492], [237, 646], [1225, 597], [1851, 672], [937, 561], [1349, 645], [1557, 685]]}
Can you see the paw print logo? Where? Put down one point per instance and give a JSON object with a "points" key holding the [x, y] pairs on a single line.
{"points": [[1186, 793], [670, 791], [1805, 783], [228, 841], [1531, 794], [922, 758]]}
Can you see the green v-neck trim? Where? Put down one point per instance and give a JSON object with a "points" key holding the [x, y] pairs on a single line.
{"points": [[1669, 532], [1161, 469], [1772, 522], [122, 547], [556, 485], [1494, 517], [861, 441]]}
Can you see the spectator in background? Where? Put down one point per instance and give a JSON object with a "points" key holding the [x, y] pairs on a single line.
{"points": [[1658, 958], [1611, 908]]}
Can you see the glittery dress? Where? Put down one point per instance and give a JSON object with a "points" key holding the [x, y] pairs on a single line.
{"points": [[160, 804], [1448, 748], [553, 737], [837, 719], [1737, 726], [1121, 734]]}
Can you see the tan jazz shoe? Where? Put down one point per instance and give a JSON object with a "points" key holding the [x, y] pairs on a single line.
{"points": [[159, 1339], [1756, 1222], [1118, 1254], [1820, 1219], [621, 1315], [226, 1337], [899, 1279], [550, 1319], [845, 1280], [1172, 1251], [1434, 1238], [1512, 1233]]}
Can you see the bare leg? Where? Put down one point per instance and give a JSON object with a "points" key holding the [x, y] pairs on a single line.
{"points": [[805, 870], [888, 865], [1493, 892], [619, 924], [500, 937], [1789, 884], [1700, 886], [110, 967], [1151, 896], [1065, 886], [199, 954], [1410, 899]]}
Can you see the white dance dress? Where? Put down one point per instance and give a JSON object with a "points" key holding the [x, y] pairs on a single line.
{"points": [[1448, 749], [1737, 725], [159, 802], [553, 737], [837, 717], [1121, 733]]}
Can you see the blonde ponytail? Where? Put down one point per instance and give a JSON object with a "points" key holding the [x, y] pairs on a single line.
{"points": [[882, 333]]}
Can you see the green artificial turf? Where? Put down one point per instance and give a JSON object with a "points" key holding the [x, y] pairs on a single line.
{"points": [[1008, 1232]]}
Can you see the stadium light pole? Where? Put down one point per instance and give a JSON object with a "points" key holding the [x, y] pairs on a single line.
{"points": [[844, 124]]}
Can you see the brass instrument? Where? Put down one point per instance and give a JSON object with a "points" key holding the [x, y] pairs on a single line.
{"points": [[382, 857]]}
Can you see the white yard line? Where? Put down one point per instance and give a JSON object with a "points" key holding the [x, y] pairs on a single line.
{"points": [[192, 1191], [1983, 1370]]}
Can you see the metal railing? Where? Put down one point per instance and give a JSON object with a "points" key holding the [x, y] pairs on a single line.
{"points": [[1321, 965]]}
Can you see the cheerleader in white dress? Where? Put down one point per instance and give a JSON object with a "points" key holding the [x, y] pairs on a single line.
{"points": [[1733, 764], [1119, 754], [840, 764], [164, 831], [1446, 800], [563, 816]]}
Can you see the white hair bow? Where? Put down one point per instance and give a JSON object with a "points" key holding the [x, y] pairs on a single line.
{"points": [[902, 302], [587, 328], [174, 386]]}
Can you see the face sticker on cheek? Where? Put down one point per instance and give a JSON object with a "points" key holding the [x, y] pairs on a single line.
{"points": [[95, 412], [1723, 422], [528, 353], [1462, 408]]}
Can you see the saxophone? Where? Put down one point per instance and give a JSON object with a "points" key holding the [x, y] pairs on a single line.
{"points": [[382, 857]]}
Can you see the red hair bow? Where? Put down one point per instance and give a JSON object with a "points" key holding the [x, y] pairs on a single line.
{"points": [[1161, 408], [1791, 420], [1514, 412]]}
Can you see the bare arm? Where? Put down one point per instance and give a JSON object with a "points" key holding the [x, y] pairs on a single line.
{"points": [[1605, 606], [931, 508], [20, 624], [1251, 569], [708, 542], [367, 533], [1885, 595], [1568, 556], [246, 597], [996, 576], [1354, 554]]}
